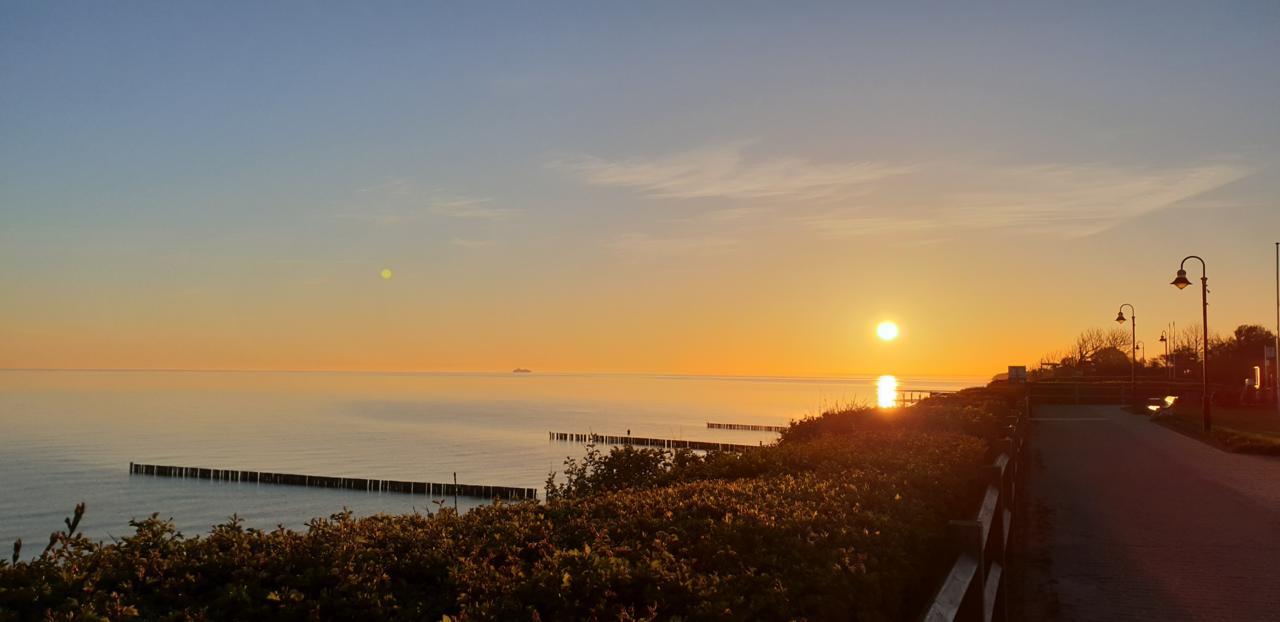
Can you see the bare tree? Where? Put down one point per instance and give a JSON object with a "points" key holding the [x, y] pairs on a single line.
{"points": [[1190, 339], [1055, 358], [1190, 344], [1095, 340]]}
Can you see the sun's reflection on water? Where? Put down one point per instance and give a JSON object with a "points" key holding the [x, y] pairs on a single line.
{"points": [[886, 391]]}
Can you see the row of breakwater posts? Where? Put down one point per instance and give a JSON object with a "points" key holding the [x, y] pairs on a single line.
{"points": [[746, 426], [975, 587], [640, 441], [347, 483]]}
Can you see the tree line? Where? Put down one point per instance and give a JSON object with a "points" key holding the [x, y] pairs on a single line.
{"points": [[1098, 352]]}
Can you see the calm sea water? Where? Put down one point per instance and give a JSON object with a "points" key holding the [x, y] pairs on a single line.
{"points": [[69, 436]]}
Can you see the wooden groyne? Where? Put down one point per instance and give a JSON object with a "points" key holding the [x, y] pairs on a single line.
{"points": [[346, 483], [746, 426], [665, 443]]}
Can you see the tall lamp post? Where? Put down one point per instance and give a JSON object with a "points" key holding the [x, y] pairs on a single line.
{"points": [[1165, 340], [1275, 365], [1181, 282], [1133, 349]]}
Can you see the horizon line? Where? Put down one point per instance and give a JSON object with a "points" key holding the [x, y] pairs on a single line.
{"points": [[468, 372]]}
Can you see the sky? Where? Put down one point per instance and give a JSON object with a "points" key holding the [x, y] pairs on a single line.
{"points": [[704, 188]]}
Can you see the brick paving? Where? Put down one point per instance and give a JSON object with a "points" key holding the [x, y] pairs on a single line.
{"points": [[1147, 524]]}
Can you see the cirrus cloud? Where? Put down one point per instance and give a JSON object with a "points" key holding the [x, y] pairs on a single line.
{"points": [[842, 199], [647, 245], [726, 172], [1066, 200], [400, 201]]}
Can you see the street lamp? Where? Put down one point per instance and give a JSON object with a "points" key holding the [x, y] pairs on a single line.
{"points": [[1181, 282], [1133, 349], [1165, 341]]}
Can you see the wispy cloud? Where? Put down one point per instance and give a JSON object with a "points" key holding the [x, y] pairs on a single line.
{"points": [[726, 172], [469, 208], [842, 199], [393, 187], [1070, 201], [1080, 200], [371, 216], [400, 201], [646, 245], [469, 243], [838, 224]]}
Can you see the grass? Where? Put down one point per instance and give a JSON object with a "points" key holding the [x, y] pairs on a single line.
{"points": [[1237, 429]]}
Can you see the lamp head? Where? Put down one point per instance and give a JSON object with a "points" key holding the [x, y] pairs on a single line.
{"points": [[1181, 281], [1120, 317], [1162, 339]]}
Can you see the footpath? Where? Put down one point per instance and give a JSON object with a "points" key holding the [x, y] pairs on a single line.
{"points": [[1144, 523]]}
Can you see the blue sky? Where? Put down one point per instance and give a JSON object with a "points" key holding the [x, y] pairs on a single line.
{"points": [[202, 175]]}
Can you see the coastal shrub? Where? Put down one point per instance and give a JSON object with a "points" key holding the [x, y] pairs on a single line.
{"points": [[903, 451], [981, 412], [832, 526], [623, 467]]}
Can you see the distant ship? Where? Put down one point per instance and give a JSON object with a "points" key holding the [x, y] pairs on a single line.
{"points": [[521, 370]]}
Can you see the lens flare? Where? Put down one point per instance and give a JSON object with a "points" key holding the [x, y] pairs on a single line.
{"points": [[886, 391], [887, 331]]}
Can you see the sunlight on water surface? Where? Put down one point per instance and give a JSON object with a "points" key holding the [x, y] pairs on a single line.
{"points": [[886, 391]]}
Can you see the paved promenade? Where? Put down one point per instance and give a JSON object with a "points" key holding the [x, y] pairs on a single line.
{"points": [[1146, 524]]}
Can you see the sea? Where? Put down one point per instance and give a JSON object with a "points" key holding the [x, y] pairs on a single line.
{"points": [[69, 436]]}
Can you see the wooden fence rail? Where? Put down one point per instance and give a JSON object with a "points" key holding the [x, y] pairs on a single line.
{"points": [[1093, 391], [347, 483], [974, 589], [666, 443], [911, 397]]}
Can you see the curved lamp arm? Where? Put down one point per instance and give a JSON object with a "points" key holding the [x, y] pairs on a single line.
{"points": [[1120, 314], [1204, 271]]}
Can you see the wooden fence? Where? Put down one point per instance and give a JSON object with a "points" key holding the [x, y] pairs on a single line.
{"points": [[347, 483], [1110, 391], [665, 443], [974, 588]]}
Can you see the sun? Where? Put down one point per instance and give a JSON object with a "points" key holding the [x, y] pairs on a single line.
{"points": [[887, 331], [386, 273]]}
